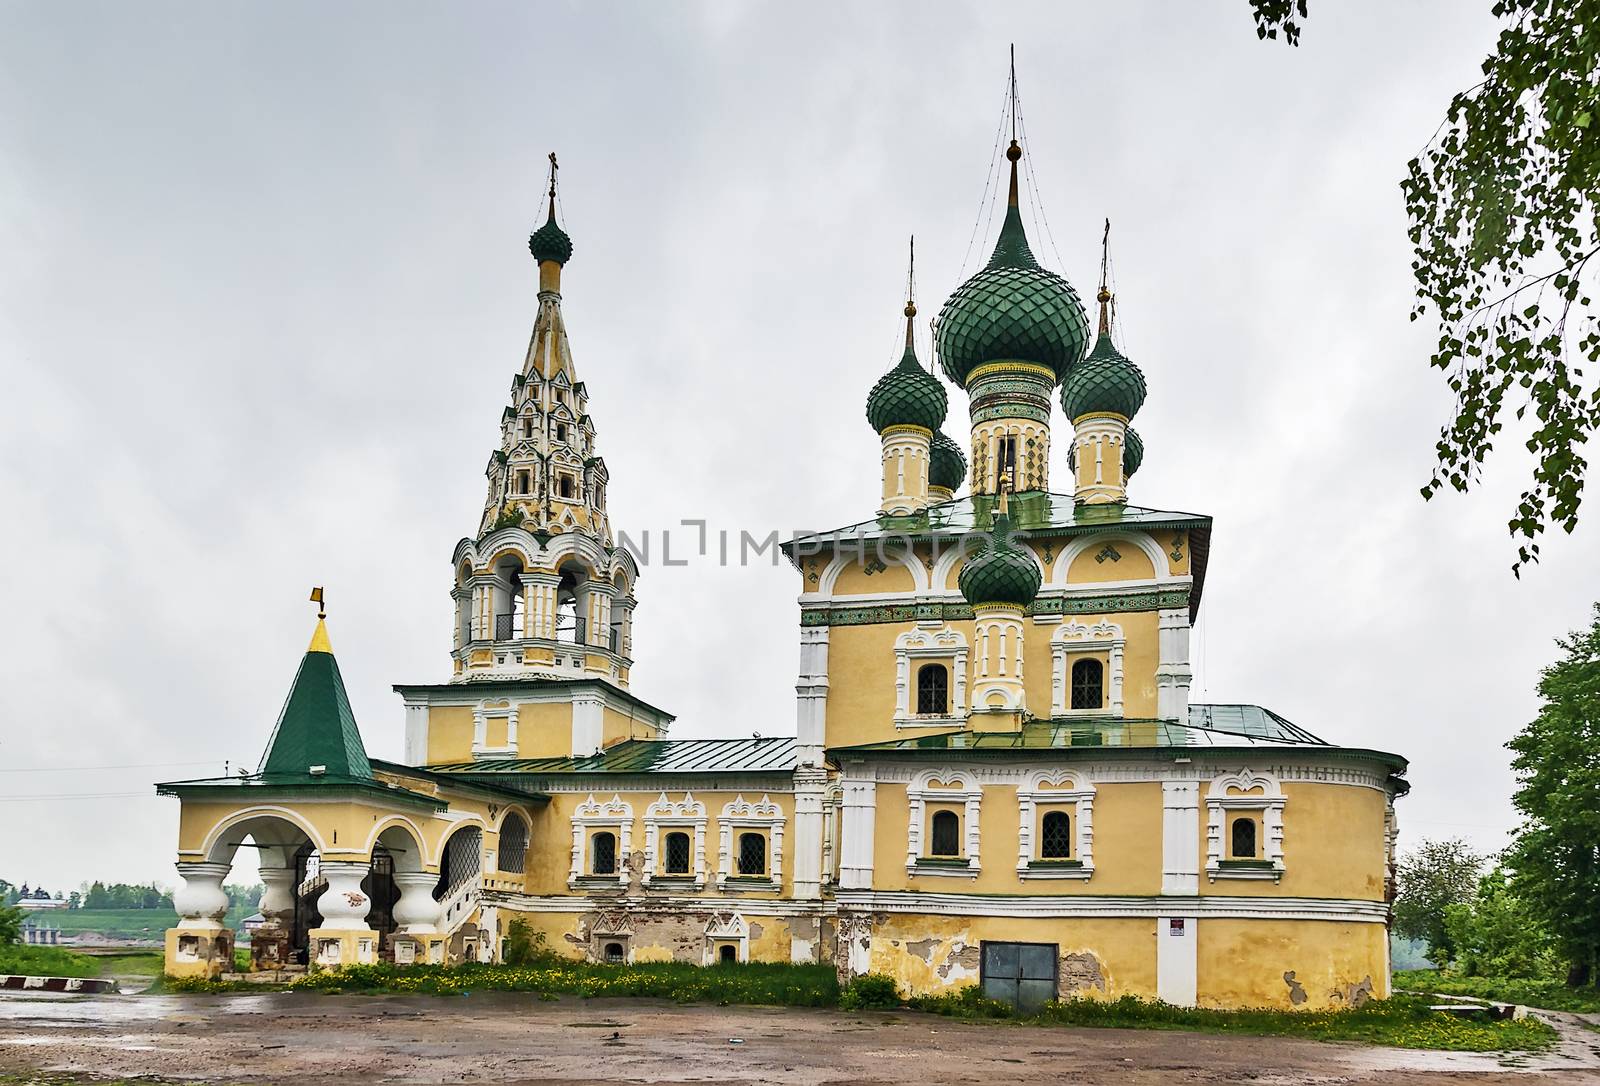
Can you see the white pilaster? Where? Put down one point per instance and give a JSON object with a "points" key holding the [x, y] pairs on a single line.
{"points": [[810, 783], [1180, 837], [857, 834], [1177, 959], [1173, 673], [811, 690], [416, 731], [588, 726]]}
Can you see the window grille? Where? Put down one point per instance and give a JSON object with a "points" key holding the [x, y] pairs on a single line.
{"points": [[514, 845], [752, 854], [677, 853], [1055, 836], [1244, 838], [946, 835], [605, 854], [933, 690], [1088, 684]]}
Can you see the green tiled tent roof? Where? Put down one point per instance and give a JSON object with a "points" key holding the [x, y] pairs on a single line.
{"points": [[907, 395], [947, 464], [1104, 381], [1001, 572], [1012, 310], [316, 726]]}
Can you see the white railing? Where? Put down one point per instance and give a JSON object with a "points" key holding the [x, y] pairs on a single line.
{"points": [[458, 903]]}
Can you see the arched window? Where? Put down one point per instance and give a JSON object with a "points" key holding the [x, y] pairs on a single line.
{"points": [[604, 854], [933, 690], [1088, 684], [1055, 836], [614, 952], [514, 844], [677, 853], [728, 955], [1244, 838], [752, 854], [945, 840]]}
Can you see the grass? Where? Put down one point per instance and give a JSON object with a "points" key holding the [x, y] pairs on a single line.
{"points": [[1550, 995], [55, 961], [1403, 1021], [120, 923]]}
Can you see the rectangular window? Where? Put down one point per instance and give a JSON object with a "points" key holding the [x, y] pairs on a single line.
{"points": [[1088, 684], [945, 834], [522, 482], [603, 848], [1006, 459], [566, 486], [752, 854], [677, 854]]}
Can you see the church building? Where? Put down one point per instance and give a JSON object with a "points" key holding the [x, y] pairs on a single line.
{"points": [[996, 777]]}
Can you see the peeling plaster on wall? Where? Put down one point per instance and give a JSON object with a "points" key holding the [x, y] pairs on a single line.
{"points": [[1081, 971], [922, 948], [963, 957], [1355, 995], [1297, 994], [756, 931]]}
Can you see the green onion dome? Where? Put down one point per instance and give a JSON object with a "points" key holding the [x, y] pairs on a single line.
{"points": [[1012, 310], [1001, 572], [1103, 382], [907, 395], [947, 465], [1132, 452], [550, 242]]}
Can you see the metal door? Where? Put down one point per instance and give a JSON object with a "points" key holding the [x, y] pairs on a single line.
{"points": [[1021, 974]]}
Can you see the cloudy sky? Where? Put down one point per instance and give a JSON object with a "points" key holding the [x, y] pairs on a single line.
{"points": [[265, 282]]}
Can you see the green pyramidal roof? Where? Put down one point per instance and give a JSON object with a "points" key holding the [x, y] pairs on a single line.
{"points": [[316, 727]]}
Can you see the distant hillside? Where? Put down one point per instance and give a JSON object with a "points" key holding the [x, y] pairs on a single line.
{"points": [[117, 925]]}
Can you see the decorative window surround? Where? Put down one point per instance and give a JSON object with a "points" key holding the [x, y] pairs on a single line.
{"points": [[663, 814], [592, 814], [726, 928], [1078, 639], [1034, 793], [484, 712], [1269, 802], [929, 642], [943, 786], [742, 814]]}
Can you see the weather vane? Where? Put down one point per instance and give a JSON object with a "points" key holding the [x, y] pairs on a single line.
{"points": [[316, 598]]}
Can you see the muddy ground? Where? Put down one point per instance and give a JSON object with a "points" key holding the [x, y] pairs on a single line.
{"points": [[301, 1039]]}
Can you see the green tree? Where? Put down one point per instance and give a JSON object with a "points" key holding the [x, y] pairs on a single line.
{"points": [[1429, 878], [1496, 934], [10, 925], [1555, 856], [1504, 210]]}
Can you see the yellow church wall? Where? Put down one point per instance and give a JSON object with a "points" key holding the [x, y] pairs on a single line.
{"points": [[1333, 845], [544, 729], [617, 726], [1098, 958], [675, 935], [856, 580], [449, 734], [1290, 964], [1134, 565]]}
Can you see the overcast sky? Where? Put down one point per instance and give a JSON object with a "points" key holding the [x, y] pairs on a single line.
{"points": [[265, 282]]}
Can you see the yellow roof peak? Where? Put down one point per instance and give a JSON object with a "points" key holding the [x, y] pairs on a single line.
{"points": [[319, 639]]}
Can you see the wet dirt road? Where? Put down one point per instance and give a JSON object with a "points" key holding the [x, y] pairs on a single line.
{"points": [[309, 1038]]}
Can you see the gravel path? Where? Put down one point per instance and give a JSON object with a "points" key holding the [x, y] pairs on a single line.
{"points": [[307, 1039]]}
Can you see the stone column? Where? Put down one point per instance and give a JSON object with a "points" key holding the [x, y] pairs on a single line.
{"points": [[344, 937], [416, 913], [200, 946], [809, 785]]}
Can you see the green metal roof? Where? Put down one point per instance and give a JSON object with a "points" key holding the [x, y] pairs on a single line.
{"points": [[492, 687], [755, 755], [316, 728]]}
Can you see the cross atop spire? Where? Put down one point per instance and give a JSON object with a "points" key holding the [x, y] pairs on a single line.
{"points": [[1104, 296], [554, 167], [911, 292]]}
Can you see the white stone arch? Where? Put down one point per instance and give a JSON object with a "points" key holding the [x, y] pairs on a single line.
{"points": [[1055, 785], [1075, 637], [418, 860], [944, 571], [1244, 783], [1152, 550], [929, 641], [456, 826], [867, 550], [263, 813]]}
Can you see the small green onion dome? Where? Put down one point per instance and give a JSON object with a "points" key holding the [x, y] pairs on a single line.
{"points": [[1132, 452], [1001, 572], [947, 465], [907, 395], [1012, 310], [1103, 382], [550, 242]]}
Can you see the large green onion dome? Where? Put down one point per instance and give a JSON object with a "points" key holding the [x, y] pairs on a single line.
{"points": [[1001, 572], [907, 395], [1103, 382], [1013, 310], [1132, 452], [947, 466], [550, 242]]}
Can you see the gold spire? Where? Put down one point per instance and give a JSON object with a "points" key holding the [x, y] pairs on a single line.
{"points": [[1104, 296], [1014, 152], [319, 636]]}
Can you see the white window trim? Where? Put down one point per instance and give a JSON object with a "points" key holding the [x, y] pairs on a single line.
{"points": [[688, 813], [726, 928], [1078, 639], [615, 813], [742, 814], [930, 642], [1219, 805], [1030, 796], [482, 713], [922, 791]]}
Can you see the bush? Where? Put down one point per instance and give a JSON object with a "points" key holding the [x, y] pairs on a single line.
{"points": [[524, 946], [870, 992], [10, 925], [1495, 934]]}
